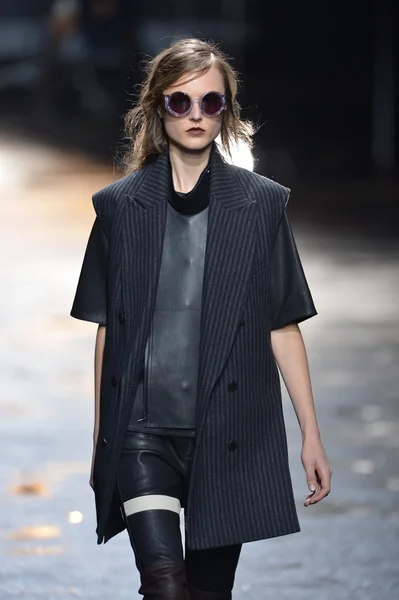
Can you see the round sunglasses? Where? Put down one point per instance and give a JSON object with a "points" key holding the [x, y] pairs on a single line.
{"points": [[179, 104]]}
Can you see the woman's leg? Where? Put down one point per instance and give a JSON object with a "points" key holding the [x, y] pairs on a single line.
{"points": [[150, 485], [211, 572]]}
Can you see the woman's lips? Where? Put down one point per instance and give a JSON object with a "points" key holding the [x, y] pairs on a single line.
{"points": [[196, 131]]}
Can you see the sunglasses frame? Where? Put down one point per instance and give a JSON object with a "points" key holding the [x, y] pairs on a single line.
{"points": [[166, 98]]}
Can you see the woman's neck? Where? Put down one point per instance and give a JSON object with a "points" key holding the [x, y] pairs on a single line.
{"points": [[187, 167]]}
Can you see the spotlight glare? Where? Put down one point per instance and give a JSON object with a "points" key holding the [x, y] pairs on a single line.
{"points": [[241, 155], [75, 516]]}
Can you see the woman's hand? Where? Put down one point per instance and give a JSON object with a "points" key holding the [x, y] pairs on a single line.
{"points": [[318, 471]]}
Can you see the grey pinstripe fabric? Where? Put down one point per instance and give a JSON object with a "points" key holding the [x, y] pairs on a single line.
{"points": [[236, 495]]}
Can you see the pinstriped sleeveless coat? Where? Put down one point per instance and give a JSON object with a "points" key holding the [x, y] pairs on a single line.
{"points": [[240, 487]]}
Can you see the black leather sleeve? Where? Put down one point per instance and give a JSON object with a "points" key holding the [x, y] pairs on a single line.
{"points": [[291, 298], [90, 302]]}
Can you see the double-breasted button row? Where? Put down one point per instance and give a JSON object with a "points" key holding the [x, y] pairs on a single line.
{"points": [[232, 386]]}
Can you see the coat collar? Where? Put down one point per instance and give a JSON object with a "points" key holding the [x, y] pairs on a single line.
{"points": [[154, 185]]}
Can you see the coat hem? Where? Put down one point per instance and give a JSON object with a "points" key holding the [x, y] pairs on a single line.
{"points": [[242, 539]]}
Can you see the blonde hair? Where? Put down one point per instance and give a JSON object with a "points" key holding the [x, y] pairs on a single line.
{"points": [[144, 130]]}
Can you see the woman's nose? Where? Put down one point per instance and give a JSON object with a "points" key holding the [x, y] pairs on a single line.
{"points": [[195, 111]]}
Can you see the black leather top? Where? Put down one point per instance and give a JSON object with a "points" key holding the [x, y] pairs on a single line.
{"points": [[166, 396]]}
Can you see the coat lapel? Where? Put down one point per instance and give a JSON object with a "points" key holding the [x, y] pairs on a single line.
{"points": [[143, 229], [229, 254]]}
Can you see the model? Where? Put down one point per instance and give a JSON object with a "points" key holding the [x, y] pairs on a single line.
{"points": [[192, 273]]}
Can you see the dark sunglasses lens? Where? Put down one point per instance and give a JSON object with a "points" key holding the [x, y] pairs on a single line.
{"points": [[179, 102], [212, 103]]}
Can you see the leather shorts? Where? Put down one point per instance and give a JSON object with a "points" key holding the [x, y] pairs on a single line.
{"points": [[153, 480]]}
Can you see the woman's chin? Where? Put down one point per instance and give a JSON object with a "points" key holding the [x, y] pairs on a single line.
{"points": [[196, 145]]}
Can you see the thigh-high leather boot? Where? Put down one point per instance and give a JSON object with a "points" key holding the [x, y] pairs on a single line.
{"points": [[164, 580], [201, 595]]}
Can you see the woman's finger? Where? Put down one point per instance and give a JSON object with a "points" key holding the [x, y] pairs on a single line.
{"points": [[325, 480]]}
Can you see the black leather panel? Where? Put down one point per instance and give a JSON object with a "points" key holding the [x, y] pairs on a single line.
{"points": [[167, 394]]}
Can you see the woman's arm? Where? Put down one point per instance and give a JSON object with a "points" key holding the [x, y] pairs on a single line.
{"points": [[98, 364], [290, 355]]}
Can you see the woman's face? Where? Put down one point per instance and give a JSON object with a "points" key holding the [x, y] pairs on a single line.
{"points": [[195, 131]]}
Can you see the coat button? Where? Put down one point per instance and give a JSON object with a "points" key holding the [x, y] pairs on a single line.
{"points": [[232, 386], [121, 317], [105, 441], [232, 445], [114, 381], [242, 322]]}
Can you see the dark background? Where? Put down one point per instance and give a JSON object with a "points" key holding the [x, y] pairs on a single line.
{"points": [[319, 78]]}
